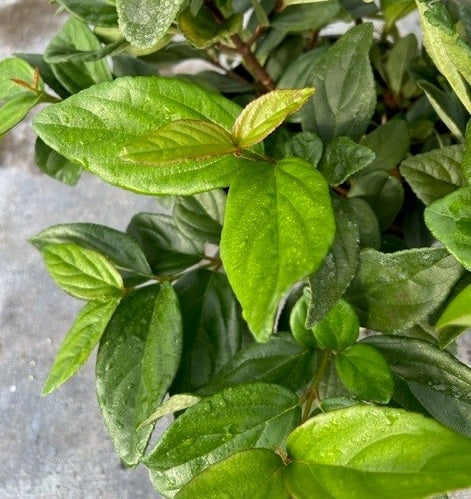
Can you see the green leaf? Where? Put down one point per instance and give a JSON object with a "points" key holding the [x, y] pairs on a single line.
{"points": [[56, 166], [367, 223], [137, 360], [298, 18], [393, 10], [305, 145], [77, 75], [403, 53], [145, 22], [117, 246], [365, 373], [255, 473], [201, 216], [395, 291], [297, 321], [434, 174], [343, 158], [263, 115], [57, 54], [345, 96], [449, 220], [338, 329], [166, 248], [15, 109], [82, 273], [212, 327], [173, 404], [202, 31], [85, 129], [94, 12], [79, 342], [247, 416], [383, 192], [278, 228], [180, 142], [279, 361], [457, 313], [334, 275], [360, 452]]}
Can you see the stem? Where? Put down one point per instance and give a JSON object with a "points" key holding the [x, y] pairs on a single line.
{"points": [[312, 392]]}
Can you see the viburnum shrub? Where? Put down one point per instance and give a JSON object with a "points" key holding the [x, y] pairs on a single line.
{"points": [[315, 179]]}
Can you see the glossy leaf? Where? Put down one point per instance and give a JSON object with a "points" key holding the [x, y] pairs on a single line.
{"points": [[305, 145], [395, 291], [137, 360], [278, 229], [338, 329], [145, 22], [85, 130], [279, 361], [94, 12], [449, 220], [255, 473], [56, 166], [173, 404], [79, 342], [334, 275], [345, 96], [434, 174], [365, 373], [359, 452], [246, 416], [297, 321], [456, 314], [263, 115], [166, 249], [212, 327], [82, 273]]}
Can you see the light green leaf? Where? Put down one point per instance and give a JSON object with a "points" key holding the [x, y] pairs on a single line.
{"points": [[79, 342], [334, 275], [393, 10], [305, 145], [365, 373], [434, 174], [255, 473], [138, 357], [338, 329], [175, 403], [395, 291], [457, 313], [278, 228], [15, 109], [263, 115], [94, 12], [82, 273], [85, 129], [297, 321], [343, 158], [180, 142], [449, 220], [55, 165], [345, 96], [243, 417], [359, 452], [145, 22]]}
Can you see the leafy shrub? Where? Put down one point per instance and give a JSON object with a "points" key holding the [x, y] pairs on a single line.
{"points": [[316, 184]]}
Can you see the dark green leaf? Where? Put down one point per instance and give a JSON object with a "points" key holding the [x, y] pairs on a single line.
{"points": [[365, 373], [56, 166], [305, 145], [137, 360], [94, 12], [367, 223], [298, 18], [278, 229], [246, 416], [403, 53], [395, 291]]}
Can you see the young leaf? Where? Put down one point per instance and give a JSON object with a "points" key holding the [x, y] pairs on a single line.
{"points": [[85, 129], [82, 273], [167, 250], [145, 22], [246, 416], [79, 342], [136, 363], [457, 313], [449, 220], [345, 94], [254, 473], [55, 165], [263, 115], [94, 12], [338, 329], [343, 158], [297, 321], [118, 246], [279, 361], [278, 228], [212, 327], [395, 291], [434, 174], [305, 145], [360, 452], [181, 141], [365, 373], [334, 275], [175, 403]]}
